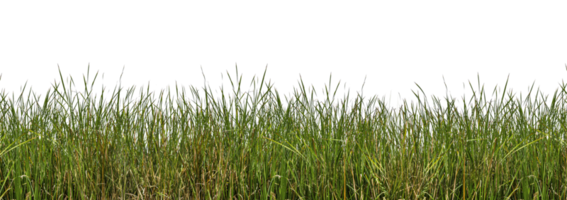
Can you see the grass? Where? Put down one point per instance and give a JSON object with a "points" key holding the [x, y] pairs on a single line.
{"points": [[180, 145]]}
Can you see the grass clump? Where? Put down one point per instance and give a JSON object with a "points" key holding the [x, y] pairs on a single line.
{"points": [[249, 146]]}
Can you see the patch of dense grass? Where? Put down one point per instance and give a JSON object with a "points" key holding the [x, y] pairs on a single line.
{"points": [[171, 146]]}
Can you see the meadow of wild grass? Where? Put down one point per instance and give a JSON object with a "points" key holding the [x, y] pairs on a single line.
{"points": [[186, 145]]}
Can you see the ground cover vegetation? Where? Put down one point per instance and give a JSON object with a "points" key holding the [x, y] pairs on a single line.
{"points": [[180, 145]]}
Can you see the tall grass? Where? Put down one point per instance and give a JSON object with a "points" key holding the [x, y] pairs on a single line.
{"points": [[180, 145]]}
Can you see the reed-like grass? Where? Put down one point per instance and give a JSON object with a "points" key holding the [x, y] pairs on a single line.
{"points": [[180, 145]]}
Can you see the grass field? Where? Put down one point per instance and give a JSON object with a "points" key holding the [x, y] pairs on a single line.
{"points": [[186, 145]]}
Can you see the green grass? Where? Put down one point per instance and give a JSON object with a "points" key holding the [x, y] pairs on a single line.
{"points": [[187, 145]]}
